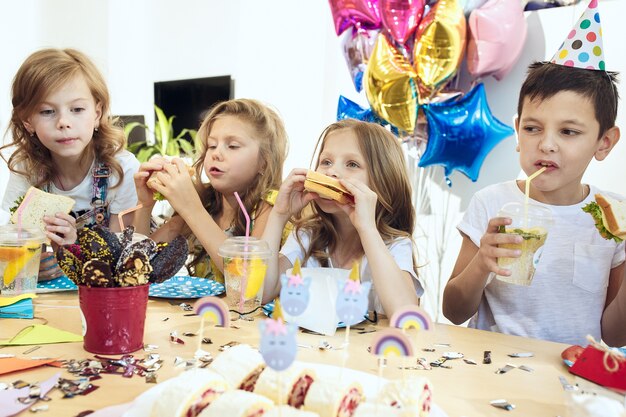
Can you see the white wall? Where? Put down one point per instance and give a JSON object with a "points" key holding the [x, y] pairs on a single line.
{"points": [[282, 52]]}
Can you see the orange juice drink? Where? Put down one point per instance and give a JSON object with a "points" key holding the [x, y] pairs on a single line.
{"points": [[20, 253], [532, 224]]}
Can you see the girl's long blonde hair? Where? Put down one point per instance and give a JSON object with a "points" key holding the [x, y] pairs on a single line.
{"points": [[272, 139], [387, 173], [42, 73]]}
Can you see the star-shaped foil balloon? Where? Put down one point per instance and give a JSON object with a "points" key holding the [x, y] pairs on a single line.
{"points": [[461, 133]]}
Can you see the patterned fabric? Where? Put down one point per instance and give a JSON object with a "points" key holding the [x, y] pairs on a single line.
{"points": [[206, 268]]}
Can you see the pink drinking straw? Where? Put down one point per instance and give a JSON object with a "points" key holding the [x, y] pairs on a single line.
{"points": [[244, 281]]}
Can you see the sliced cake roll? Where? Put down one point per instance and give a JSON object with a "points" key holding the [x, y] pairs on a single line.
{"points": [[238, 403], [240, 365], [189, 394], [330, 398], [415, 394], [286, 411], [294, 384]]}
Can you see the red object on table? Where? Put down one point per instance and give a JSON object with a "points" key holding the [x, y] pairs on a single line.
{"points": [[609, 371]]}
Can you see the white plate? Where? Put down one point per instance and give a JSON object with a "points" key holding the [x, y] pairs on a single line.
{"points": [[142, 406]]}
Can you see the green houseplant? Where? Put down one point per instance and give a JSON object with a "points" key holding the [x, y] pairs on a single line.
{"points": [[162, 141]]}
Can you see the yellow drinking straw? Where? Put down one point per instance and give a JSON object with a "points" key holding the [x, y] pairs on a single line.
{"points": [[527, 193]]}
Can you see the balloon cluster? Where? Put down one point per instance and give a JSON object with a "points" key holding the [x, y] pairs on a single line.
{"points": [[404, 53]]}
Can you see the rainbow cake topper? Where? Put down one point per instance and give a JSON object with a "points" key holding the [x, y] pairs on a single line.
{"points": [[583, 47], [214, 310], [278, 343], [391, 342], [411, 317]]}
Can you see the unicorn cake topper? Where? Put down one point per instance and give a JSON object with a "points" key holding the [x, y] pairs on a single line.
{"points": [[295, 291], [353, 298], [583, 46], [278, 343]]}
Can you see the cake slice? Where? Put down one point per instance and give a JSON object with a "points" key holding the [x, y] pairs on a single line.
{"points": [[189, 394], [415, 394], [238, 403], [240, 365], [294, 384], [331, 398]]}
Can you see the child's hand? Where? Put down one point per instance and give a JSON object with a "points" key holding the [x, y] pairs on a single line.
{"points": [[362, 212], [291, 197], [145, 195], [48, 267], [176, 185], [489, 252], [61, 229]]}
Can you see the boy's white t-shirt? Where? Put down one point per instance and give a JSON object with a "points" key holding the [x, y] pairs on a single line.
{"points": [[566, 298], [119, 198], [401, 249]]}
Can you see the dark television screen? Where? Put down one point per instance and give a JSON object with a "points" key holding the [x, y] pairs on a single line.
{"points": [[188, 100]]}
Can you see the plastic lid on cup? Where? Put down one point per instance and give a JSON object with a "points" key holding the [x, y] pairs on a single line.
{"points": [[242, 247], [535, 213], [12, 235]]}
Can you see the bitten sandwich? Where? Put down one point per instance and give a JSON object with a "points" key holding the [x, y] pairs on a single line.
{"points": [[609, 215], [152, 180], [327, 187], [36, 204]]}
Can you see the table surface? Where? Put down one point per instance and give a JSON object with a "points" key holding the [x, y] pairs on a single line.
{"points": [[462, 390]]}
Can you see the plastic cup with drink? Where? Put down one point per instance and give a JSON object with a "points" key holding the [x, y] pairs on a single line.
{"points": [[20, 253], [532, 223], [245, 265]]}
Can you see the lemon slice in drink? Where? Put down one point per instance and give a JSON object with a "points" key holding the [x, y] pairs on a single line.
{"points": [[17, 257], [256, 273]]}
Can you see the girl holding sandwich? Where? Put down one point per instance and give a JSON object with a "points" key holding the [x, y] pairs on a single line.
{"points": [[369, 217], [65, 142], [244, 146]]}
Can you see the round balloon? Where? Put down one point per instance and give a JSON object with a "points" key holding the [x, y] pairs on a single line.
{"points": [[461, 133], [497, 35], [357, 48], [401, 17], [439, 45], [391, 87], [359, 13]]}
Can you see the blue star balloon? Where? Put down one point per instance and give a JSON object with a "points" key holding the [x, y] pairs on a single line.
{"points": [[461, 133], [348, 109]]}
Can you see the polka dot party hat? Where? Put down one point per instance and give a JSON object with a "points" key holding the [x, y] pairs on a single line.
{"points": [[583, 46]]}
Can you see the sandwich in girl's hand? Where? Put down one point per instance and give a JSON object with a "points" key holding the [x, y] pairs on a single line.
{"points": [[327, 187], [609, 215], [152, 180]]}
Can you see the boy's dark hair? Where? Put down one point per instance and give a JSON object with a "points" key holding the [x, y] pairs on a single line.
{"points": [[545, 79]]}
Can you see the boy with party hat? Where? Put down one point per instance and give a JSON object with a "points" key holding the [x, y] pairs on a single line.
{"points": [[566, 116]]}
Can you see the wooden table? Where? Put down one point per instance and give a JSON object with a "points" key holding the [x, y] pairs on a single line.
{"points": [[463, 390]]}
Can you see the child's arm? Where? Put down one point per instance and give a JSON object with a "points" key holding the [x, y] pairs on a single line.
{"points": [[393, 285], [290, 200], [614, 316], [464, 290]]}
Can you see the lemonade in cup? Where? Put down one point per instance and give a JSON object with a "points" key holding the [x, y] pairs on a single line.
{"points": [[20, 253], [532, 224], [245, 265]]}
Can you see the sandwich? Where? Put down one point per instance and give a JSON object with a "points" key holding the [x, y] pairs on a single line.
{"points": [[36, 204], [240, 365], [327, 187], [609, 215], [293, 384], [152, 180]]}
